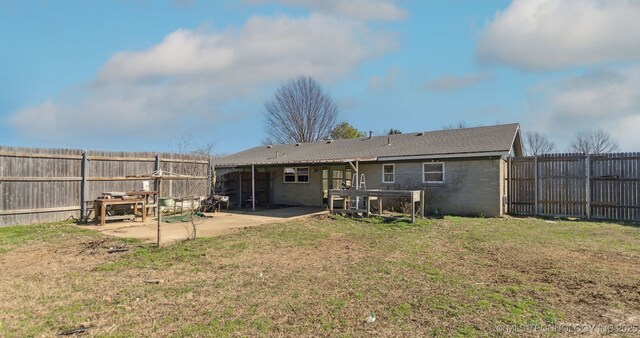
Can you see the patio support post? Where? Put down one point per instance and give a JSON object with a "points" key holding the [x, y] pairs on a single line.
{"points": [[357, 182], [357, 176], [209, 178], [240, 189], [253, 187]]}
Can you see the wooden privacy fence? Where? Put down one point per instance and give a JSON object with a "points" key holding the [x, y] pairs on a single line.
{"points": [[47, 185], [603, 186]]}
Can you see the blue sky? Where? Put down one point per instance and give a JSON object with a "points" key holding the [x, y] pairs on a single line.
{"points": [[143, 75]]}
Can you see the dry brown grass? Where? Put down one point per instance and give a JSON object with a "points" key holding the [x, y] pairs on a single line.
{"points": [[324, 276]]}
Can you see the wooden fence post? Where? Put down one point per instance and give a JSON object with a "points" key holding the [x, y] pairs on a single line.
{"points": [[84, 188], [535, 188], [588, 184], [509, 169], [156, 168]]}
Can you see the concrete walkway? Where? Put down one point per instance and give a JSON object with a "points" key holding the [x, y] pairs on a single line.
{"points": [[220, 223]]}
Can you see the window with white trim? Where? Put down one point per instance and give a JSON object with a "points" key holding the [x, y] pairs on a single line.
{"points": [[296, 175], [433, 172], [388, 173]]}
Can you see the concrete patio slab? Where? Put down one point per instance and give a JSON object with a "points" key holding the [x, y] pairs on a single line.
{"points": [[219, 223]]}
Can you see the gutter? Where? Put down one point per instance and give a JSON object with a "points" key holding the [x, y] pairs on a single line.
{"points": [[441, 156], [503, 154], [338, 161]]}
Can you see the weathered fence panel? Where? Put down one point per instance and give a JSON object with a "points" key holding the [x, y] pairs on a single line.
{"points": [[595, 186], [38, 183], [522, 185], [46, 185], [615, 186]]}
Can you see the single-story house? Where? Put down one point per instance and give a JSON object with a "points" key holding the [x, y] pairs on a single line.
{"points": [[462, 171]]}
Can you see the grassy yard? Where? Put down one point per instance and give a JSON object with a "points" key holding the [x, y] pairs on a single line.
{"points": [[325, 276]]}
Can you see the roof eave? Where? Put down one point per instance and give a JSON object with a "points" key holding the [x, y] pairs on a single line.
{"points": [[442, 156], [499, 153], [341, 160]]}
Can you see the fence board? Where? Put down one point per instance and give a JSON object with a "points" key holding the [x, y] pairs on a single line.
{"points": [[48, 182], [603, 186]]}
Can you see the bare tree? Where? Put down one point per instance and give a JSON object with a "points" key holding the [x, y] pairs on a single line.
{"points": [[593, 142], [300, 111], [189, 164], [204, 150], [461, 124], [537, 144]]}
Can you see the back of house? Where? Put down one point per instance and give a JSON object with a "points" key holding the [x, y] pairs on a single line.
{"points": [[462, 171]]}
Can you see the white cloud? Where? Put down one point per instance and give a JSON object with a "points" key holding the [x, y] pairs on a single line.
{"points": [[606, 92], [552, 34], [607, 98], [387, 81], [46, 113], [626, 131], [384, 10], [453, 83], [262, 50], [191, 75]]}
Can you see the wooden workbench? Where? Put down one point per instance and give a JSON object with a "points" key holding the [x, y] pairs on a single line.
{"points": [[101, 206]]}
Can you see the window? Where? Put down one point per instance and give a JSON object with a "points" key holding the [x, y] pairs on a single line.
{"points": [[289, 175], [388, 173], [303, 174], [433, 172], [338, 175], [296, 175]]}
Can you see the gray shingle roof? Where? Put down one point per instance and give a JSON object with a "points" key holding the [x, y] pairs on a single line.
{"points": [[497, 138]]}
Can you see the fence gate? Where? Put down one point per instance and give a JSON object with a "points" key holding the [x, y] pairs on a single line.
{"points": [[597, 186]]}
